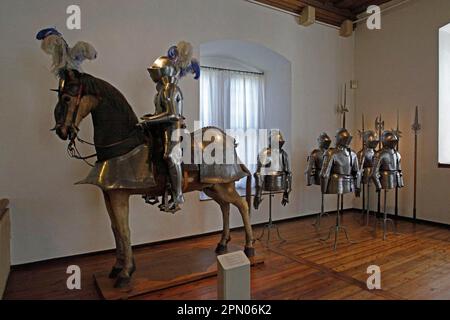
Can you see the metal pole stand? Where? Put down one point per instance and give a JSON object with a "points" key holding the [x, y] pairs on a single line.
{"points": [[367, 207], [385, 219], [270, 225], [321, 214], [338, 227]]}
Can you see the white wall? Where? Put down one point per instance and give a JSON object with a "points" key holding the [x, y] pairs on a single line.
{"points": [[50, 216], [397, 67]]}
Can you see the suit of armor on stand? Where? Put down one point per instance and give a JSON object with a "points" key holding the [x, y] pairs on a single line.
{"points": [[365, 158], [273, 174], [387, 172], [340, 174], [273, 171], [312, 172]]}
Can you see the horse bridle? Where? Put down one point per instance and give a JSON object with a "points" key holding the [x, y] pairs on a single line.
{"points": [[72, 149]]}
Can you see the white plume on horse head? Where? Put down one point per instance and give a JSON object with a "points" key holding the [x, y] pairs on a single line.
{"points": [[64, 57]]}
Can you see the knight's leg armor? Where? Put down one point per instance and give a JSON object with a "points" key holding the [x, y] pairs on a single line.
{"points": [[173, 155]]}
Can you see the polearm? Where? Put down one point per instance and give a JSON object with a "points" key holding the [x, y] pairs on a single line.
{"points": [[416, 128], [361, 134], [379, 125], [343, 110], [398, 134], [345, 105]]}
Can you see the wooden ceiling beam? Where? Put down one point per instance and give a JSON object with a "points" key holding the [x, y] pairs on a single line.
{"points": [[333, 12], [296, 6]]}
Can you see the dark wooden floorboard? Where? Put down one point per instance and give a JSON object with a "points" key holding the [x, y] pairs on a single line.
{"points": [[415, 264]]}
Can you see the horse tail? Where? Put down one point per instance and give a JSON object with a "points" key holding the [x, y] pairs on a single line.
{"points": [[248, 187]]}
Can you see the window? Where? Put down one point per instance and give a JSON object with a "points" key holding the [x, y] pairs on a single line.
{"points": [[234, 100], [444, 96]]}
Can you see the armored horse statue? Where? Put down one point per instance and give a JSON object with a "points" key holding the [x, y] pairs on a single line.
{"points": [[123, 167], [128, 163]]}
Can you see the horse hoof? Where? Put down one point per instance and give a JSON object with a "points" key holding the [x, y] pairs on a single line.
{"points": [[114, 272], [221, 249], [133, 269], [249, 252], [122, 282]]}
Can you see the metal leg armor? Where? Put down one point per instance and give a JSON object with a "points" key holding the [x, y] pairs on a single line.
{"points": [[173, 157]]}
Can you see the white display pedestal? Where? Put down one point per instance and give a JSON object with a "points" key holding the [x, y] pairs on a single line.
{"points": [[233, 276]]}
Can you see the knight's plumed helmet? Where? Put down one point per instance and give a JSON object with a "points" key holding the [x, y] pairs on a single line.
{"points": [[163, 67], [324, 141], [276, 138], [370, 139], [176, 64], [343, 138], [389, 139]]}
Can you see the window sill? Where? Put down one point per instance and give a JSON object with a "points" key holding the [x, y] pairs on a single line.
{"points": [[441, 165]]}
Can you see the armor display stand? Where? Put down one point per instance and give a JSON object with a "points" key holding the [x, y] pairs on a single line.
{"points": [[367, 209], [322, 212], [337, 227], [270, 225], [385, 218]]}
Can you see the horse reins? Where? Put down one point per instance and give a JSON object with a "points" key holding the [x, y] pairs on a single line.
{"points": [[72, 149]]}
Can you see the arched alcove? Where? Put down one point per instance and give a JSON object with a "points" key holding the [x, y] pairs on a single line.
{"points": [[249, 56]]}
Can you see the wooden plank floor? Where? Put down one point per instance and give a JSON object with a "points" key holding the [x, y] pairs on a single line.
{"points": [[415, 264]]}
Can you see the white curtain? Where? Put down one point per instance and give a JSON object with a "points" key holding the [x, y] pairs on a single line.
{"points": [[234, 100]]}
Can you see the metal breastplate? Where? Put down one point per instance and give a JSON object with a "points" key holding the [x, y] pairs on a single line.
{"points": [[390, 175], [161, 102], [341, 180], [272, 170]]}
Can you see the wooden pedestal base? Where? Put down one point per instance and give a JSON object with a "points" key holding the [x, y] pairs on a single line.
{"points": [[165, 269]]}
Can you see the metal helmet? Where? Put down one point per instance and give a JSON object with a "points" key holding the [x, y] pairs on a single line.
{"points": [[343, 138], [276, 137], [370, 139], [163, 67], [389, 139], [324, 141]]}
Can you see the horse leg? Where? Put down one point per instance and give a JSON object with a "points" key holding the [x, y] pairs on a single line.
{"points": [[118, 266], [120, 208], [225, 208], [227, 193]]}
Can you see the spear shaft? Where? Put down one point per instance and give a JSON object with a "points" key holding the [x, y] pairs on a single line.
{"points": [[398, 149]]}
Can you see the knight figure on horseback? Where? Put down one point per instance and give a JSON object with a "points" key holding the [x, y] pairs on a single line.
{"points": [[167, 121]]}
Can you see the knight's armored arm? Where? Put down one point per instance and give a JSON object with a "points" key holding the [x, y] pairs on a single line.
{"points": [[376, 170], [258, 184], [310, 170], [287, 170], [169, 95], [356, 172], [326, 171]]}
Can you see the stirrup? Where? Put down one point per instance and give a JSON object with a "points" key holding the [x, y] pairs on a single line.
{"points": [[171, 207]]}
